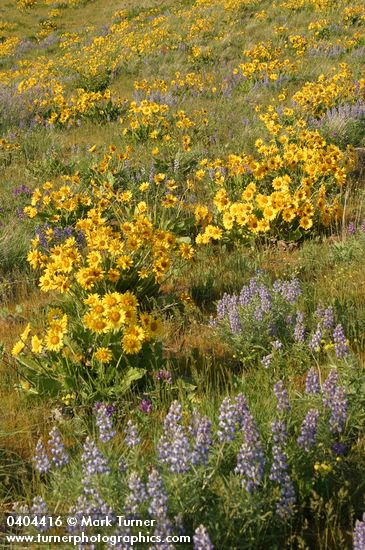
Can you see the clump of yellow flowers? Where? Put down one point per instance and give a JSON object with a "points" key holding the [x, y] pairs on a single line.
{"points": [[293, 184], [104, 255]]}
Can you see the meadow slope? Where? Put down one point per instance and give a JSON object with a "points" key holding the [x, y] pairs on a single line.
{"points": [[182, 241]]}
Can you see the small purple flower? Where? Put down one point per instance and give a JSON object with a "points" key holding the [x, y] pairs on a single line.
{"points": [[137, 495], [227, 420], [93, 462], [164, 375], [338, 410], [312, 382], [59, 455], [339, 338], [308, 432], [339, 449], [40, 459], [279, 471], [315, 343], [299, 329], [40, 510], [104, 421], [351, 228], [359, 534], [290, 290], [158, 506], [329, 387], [266, 361], [146, 405], [277, 345], [131, 435], [201, 539], [201, 431], [122, 466], [173, 447], [327, 318], [251, 457], [282, 397]]}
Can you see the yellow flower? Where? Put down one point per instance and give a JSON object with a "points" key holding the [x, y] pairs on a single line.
{"points": [[131, 344], [104, 355], [186, 251], [18, 348], [305, 222], [36, 344], [53, 341], [25, 333], [213, 232]]}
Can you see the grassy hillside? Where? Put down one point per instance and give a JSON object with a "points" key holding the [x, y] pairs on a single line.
{"points": [[182, 233]]}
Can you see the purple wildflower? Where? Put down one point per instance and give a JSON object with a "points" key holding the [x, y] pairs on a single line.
{"points": [[312, 382], [251, 458], [329, 387], [338, 410], [104, 421], [351, 228], [158, 506], [315, 343], [201, 539], [202, 439], [40, 510], [164, 375], [279, 471], [339, 449], [266, 361], [145, 405], [131, 435], [327, 318], [93, 461], [339, 338], [173, 447], [40, 459], [137, 495], [308, 432], [233, 316], [359, 534], [227, 420], [282, 397], [59, 456], [299, 329]]}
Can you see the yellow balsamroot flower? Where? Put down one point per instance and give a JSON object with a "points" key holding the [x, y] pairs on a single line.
{"points": [[131, 344], [113, 275], [17, 348], [88, 276], [263, 226], [305, 222], [115, 318], [221, 200], [228, 221], [169, 201], [128, 300], [30, 211], [213, 232], [201, 213], [53, 341], [124, 262], [186, 251], [270, 213], [143, 273], [144, 186], [249, 193], [159, 178], [37, 345], [104, 355]]}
